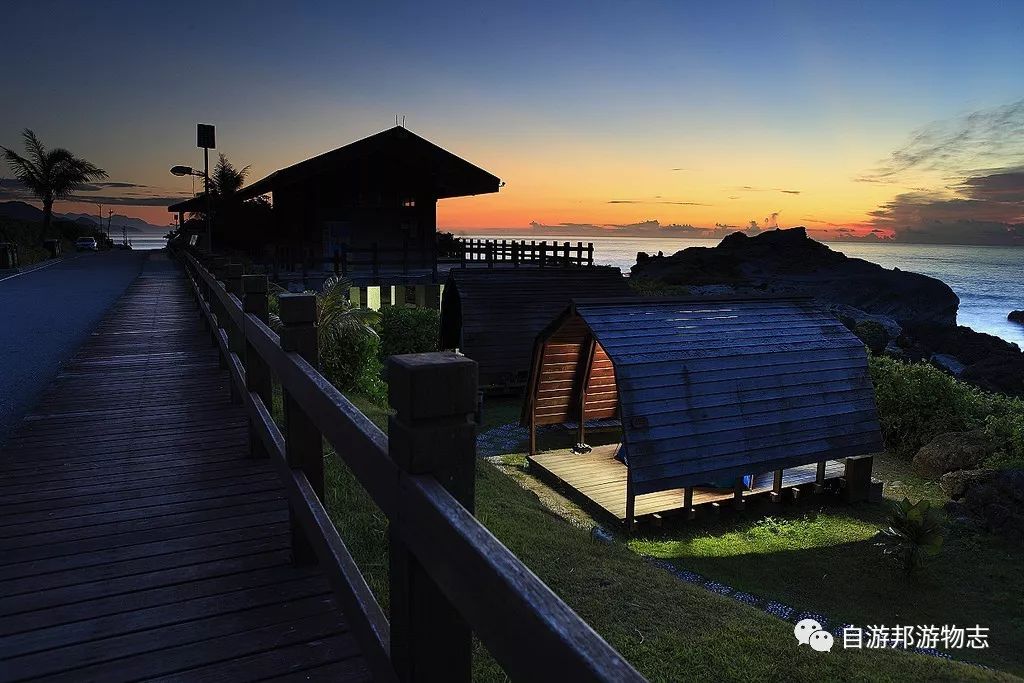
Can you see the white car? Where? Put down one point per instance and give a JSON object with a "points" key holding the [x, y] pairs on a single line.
{"points": [[86, 244]]}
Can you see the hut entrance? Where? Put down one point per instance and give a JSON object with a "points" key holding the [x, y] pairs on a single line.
{"points": [[713, 401]]}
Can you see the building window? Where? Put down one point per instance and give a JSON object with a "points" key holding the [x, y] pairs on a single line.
{"points": [[409, 202]]}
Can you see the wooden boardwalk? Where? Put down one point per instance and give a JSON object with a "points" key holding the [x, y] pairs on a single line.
{"points": [[137, 539]]}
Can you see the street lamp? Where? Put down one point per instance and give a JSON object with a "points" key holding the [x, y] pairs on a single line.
{"points": [[182, 171]]}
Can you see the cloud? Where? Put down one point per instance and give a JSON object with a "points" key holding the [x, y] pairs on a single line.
{"points": [[648, 228], [749, 188], [771, 221], [12, 189], [654, 201], [984, 138], [977, 193]]}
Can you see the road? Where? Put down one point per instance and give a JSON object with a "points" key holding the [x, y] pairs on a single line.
{"points": [[46, 314]]}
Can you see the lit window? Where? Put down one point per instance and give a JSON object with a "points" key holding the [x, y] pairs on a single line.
{"points": [[409, 203]]}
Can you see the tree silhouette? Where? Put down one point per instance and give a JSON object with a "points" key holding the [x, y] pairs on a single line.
{"points": [[49, 174]]}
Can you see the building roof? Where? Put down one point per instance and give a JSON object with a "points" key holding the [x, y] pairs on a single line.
{"points": [[494, 314], [191, 205], [451, 175], [712, 389]]}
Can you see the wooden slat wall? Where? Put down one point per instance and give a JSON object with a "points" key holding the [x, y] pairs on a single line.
{"points": [[716, 389], [504, 309]]}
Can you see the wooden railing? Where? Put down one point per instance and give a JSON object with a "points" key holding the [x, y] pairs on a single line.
{"points": [[449, 576], [517, 252]]}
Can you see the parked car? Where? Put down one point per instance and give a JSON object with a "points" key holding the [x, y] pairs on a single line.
{"points": [[86, 244]]}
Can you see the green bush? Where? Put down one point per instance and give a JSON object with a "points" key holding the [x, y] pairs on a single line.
{"points": [[916, 402], [405, 329], [351, 361], [873, 335]]}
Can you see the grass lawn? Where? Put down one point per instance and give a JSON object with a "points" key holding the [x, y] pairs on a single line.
{"points": [[668, 629]]}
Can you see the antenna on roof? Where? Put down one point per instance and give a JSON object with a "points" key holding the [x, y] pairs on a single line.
{"points": [[403, 120], [396, 119]]}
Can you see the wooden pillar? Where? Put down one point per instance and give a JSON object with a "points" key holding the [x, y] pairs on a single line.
{"points": [[690, 511], [858, 478], [590, 348], [590, 253], [431, 432], [737, 494], [257, 374], [630, 502], [819, 478], [776, 495], [303, 442]]}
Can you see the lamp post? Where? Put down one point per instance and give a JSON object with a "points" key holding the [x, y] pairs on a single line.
{"points": [[205, 175]]}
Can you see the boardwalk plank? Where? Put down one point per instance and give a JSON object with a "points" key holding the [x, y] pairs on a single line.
{"points": [[137, 538]]}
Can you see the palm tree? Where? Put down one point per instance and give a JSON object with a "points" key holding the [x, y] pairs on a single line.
{"points": [[49, 174], [226, 179]]}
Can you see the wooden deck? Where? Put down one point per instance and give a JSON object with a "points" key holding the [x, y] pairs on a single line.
{"points": [[601, 479], [137, 539]]}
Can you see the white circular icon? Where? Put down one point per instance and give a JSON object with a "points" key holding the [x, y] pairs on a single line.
{"points": [[804, 628], [821, 641]]}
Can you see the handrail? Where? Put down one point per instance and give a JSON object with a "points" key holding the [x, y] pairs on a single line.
{"points": [[528, 629]]}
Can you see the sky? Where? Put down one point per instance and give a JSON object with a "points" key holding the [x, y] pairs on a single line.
{"points": [[893, 120]]}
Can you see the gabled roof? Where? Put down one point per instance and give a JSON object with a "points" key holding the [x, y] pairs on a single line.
{"points": [[712, 389], [493, 315], [452, 175]]}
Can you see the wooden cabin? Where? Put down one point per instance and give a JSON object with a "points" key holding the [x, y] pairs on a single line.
{"points": [[493, 315], [716, 400], [382, 190]]}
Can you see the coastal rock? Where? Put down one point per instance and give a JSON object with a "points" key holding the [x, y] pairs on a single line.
{"points": [[955, 484], [788, 262], [997, 502], [990, 363], [1016, 317], [950, 452], [949, 363]]}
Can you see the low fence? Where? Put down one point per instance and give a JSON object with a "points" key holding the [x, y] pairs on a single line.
{"points": [[521, 252], [449, 576]]}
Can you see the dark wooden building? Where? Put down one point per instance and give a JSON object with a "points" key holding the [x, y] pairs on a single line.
{"points": [[493, 315], [707, 392], [381, 190]]}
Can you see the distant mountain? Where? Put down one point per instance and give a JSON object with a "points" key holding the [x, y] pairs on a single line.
{"points": [[20, 211], [23, 211], [117, 222]]}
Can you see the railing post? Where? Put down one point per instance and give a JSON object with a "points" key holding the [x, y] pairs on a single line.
{"points": [[430, 433], [590, 253], [303, 441], [257, 373], [236, 340]]}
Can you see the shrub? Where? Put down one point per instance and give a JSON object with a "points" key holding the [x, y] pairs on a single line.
{"points": [[351, 361], [917, 402], [647, 287], [915, 530], [405, 329], [873, 335]]}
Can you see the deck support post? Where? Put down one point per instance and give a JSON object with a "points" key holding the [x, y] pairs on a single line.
{"points": [[257, 374], [858, 478], [737, 494], [303, 441], [819, 478], [690, 511], [630, 502], [431, 432], [776, 495]]}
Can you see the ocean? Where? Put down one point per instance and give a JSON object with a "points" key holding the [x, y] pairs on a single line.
{"points": [[988, 280]]}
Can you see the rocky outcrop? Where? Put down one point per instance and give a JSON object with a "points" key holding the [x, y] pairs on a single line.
{"points": [[905, 315], [789, 262], [995, 502], [952, 451], [955, 484], [1016, 317]]}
